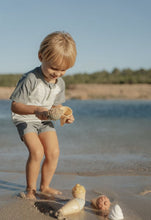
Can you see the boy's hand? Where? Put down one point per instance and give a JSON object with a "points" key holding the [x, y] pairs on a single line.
{"points": [[70, 119], [41, 113]]}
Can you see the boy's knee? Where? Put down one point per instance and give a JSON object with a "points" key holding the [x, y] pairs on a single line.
{"points": [[37, 156], [53, 155]]}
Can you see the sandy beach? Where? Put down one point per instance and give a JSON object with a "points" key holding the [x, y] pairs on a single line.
{"points": [[122, 190], [111, 159], [110, 91], [99, 91]]}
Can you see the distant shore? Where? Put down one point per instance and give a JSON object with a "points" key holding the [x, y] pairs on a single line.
{"points": [[99, 91]]}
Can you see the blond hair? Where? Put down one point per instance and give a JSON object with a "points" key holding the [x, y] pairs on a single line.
{"points": [[59, 49]]}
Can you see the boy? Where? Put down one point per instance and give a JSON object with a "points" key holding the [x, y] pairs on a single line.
{"points": [[38, 91]]}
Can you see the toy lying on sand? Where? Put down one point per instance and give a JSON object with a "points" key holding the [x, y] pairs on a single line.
{"points": [[102, 203], [63, 113], [75, 205], [116, 213]]}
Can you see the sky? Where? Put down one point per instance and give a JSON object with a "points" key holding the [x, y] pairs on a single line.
{"points": [[108, 33]]}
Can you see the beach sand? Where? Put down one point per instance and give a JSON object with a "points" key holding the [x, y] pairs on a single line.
{"points": [[126, 189], [122, 190], [99, 91], [109, 91]]}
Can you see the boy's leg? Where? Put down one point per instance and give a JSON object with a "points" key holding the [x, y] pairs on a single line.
{"points": [[36, 153], [50, 144]]}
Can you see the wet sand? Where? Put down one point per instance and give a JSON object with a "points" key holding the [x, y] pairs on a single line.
{"points": [[99, 91], [122, 190]]}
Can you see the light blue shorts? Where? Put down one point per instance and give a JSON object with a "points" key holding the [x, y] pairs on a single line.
{"points": [[36, 127]]}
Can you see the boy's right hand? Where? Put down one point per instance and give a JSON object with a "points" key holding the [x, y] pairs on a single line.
{"points": [[41, 113]]}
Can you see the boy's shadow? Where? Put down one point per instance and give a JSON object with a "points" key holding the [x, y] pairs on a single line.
{"points": [[10, 186], [49, 208]]}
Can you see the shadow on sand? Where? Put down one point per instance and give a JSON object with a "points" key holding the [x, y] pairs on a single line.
{"points": [[5, 185]]}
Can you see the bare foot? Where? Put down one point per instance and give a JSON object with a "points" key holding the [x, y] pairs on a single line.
{"points": [[51, 191], [30, 194]]}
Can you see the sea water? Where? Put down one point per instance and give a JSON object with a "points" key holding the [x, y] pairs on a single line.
{"points": [[107, 137]]}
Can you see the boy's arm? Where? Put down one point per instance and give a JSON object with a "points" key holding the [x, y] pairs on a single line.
{"points": [[57, 106], [22, 109]]}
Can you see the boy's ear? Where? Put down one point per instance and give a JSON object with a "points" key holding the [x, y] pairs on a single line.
{"points": [[40, 57]]}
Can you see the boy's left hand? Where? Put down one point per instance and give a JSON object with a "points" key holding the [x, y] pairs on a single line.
{"points": [[70, 119]]}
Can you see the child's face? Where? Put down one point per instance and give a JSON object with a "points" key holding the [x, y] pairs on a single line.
{"points": [[51, 74]]}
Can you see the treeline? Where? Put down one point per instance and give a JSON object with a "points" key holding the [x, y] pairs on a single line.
{"points": [[9, 80], [126, 76]]}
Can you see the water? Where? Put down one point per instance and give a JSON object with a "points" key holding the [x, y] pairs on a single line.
{"points": [[107, 137]]}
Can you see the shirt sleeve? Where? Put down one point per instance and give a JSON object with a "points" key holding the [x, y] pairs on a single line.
{"points": [[22, 90], [60, 98]]}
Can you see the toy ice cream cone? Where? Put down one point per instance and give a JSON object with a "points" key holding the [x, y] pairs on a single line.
{"points": [[102, 203], [67, 112]]}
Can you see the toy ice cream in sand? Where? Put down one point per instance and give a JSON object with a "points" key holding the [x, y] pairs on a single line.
{"points": [[74, 205], [102, 203], [62, 113]]}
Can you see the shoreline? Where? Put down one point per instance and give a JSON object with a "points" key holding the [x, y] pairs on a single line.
{"points": [[90, 174], [99, 91], [126, 191]]}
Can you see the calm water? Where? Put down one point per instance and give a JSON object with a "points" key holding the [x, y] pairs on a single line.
{"points": [[107, 137]]}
